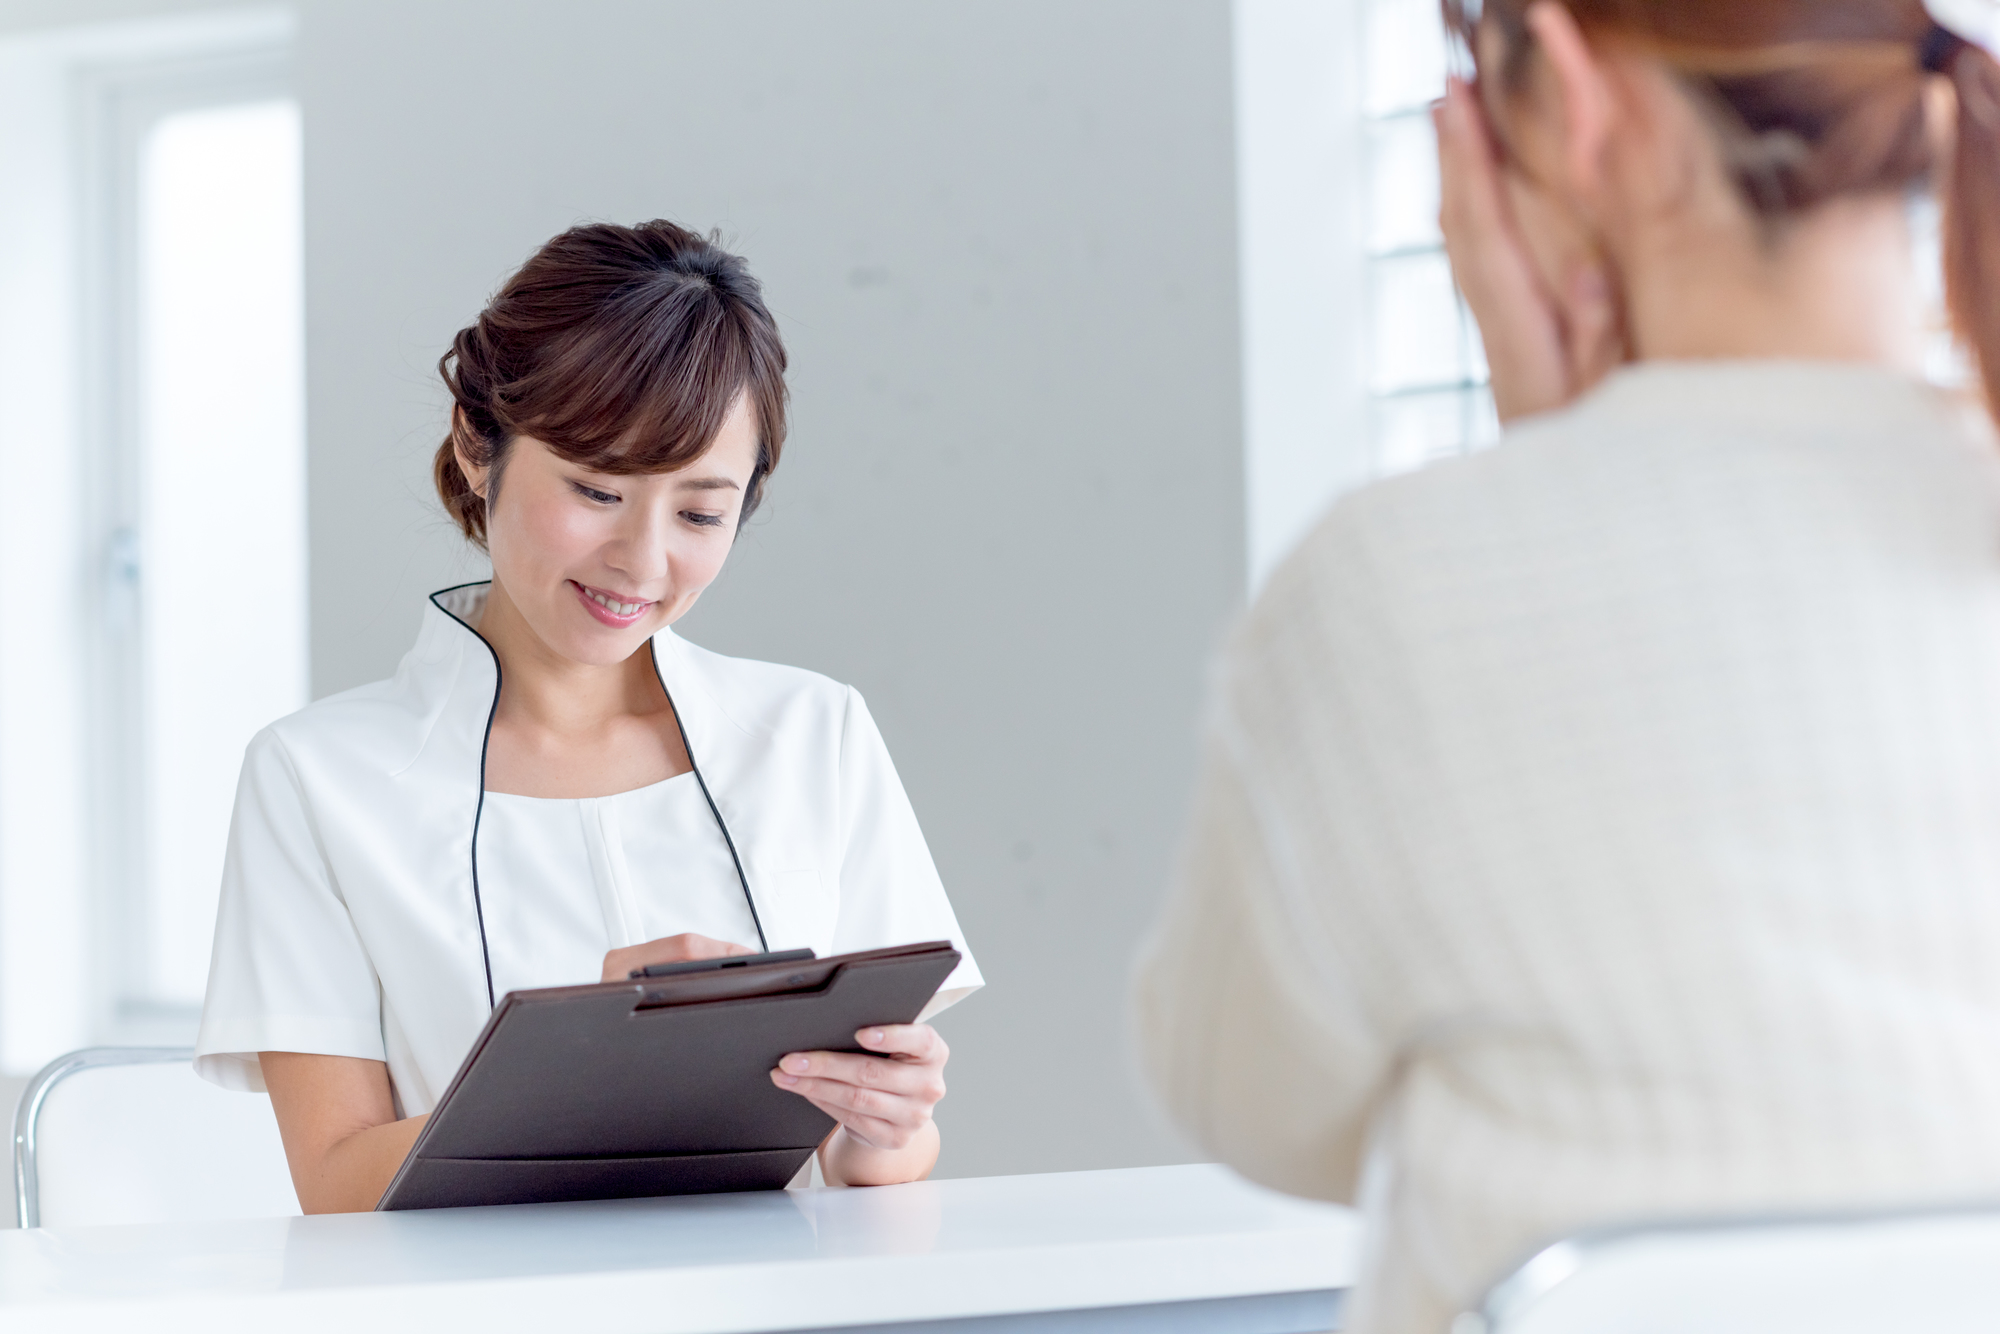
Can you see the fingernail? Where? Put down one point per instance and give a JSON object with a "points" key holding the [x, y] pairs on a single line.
{"points": [[876, 1035], [789, 1081], [796, 1064]]}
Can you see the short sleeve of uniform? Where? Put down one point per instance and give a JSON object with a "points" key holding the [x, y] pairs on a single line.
{"points": [[890, 893], [288, 972]]}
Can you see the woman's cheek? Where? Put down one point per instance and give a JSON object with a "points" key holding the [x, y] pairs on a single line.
{"points": [[566, 532], [530, 538], [714, 554], [695, 563]]}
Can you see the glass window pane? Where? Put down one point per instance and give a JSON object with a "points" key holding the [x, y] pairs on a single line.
{"points": [[1945, 359], [1419, 337], [222, 519], [1403, 184], [1412, 430], [1427, 363], [1406, 55]]}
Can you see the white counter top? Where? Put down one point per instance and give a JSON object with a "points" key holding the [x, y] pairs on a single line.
{"points": [[779, 1260]]}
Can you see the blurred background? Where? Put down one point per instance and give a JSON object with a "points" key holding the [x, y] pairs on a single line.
{"points": [[1092, 307]]}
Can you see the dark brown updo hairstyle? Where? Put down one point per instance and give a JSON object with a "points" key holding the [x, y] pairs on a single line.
{"points": [[1814, 100], [620, 348]]}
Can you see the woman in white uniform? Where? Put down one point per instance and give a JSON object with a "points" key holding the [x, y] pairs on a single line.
{"points": [[554, 788]]}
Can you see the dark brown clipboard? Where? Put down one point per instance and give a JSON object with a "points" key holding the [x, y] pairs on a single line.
{"points": [[657, 1086]]}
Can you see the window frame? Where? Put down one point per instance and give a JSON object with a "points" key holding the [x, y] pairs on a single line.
{"points": [[118, 106], [1310, 273], [76, 102]]}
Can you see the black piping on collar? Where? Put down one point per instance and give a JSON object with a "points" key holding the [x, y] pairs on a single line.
{"points": [[479, 807], [756, 919]]}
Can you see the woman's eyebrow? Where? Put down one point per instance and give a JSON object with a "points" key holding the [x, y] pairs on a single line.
{"points": [[710, 484]]}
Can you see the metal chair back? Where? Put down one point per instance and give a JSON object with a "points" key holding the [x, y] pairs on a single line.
{"points": [[133, 1135], [1929, 1272]]}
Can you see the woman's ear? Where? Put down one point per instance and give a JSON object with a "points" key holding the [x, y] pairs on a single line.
{"points": [[475, 476], [1584, 91]]}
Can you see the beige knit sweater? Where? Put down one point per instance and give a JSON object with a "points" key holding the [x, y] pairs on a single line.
{"points": [[1608, 826]]}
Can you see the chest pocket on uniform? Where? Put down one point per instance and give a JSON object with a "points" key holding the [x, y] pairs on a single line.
{"points": [[798, 909]]}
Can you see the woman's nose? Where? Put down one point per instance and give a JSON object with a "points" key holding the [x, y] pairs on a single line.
{"points": [[639, 549]]}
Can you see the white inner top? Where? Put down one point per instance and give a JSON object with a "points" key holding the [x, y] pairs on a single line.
{"points": [[563, 880]]}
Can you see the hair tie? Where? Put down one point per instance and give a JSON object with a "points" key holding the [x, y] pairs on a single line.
{"points": [[1939, 47]]}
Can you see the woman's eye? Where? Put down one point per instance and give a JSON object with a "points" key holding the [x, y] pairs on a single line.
{"points": [[592, 493], [701, 520]]}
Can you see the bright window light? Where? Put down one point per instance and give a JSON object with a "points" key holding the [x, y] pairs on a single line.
{"points": [[1427, 369], [221, 543]]}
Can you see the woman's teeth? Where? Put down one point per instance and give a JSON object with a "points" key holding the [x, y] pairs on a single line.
{"points": [[615, 608]]}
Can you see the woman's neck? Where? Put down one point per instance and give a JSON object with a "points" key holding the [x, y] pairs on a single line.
{"points": [[1837, 285], [548, 692]]}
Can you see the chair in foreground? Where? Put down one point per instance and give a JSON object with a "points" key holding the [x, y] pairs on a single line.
{"points": [[1934, 1272], [133, 1135]]}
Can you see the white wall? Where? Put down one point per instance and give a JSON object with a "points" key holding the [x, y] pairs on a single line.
{"points": [[1000, 237], [1299, 162]]}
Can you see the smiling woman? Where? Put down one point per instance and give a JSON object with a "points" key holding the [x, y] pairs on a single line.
{"points": [[555, 788], [584, 564]]}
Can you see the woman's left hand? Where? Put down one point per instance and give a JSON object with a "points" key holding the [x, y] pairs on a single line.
{"points": [[883, 1103], [1545, 347]]}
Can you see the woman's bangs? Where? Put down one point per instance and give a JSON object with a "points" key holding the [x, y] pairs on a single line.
{"points": [[615, 410]]}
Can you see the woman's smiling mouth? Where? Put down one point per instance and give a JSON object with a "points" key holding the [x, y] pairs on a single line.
{"points": [[613, 610]]}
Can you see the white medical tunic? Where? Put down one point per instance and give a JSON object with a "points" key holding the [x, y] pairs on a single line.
{"points": [[364, 852]]}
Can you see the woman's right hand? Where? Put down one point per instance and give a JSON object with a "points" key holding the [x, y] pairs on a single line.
{"points": [[618, 964], [1545, 347]]}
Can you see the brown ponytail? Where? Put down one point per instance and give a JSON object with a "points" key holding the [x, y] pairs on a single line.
{"points": [[1972, 215], [620, 348]]}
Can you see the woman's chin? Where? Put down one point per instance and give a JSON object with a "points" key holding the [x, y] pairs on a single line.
{"points": [[578, 638], [603, 648]]}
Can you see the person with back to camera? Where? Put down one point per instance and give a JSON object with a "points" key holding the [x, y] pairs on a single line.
{"points": [[1607, 826], [555, 788]]}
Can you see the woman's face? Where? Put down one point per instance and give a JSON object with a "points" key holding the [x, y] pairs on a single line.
{"points": [[595, 563]]}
